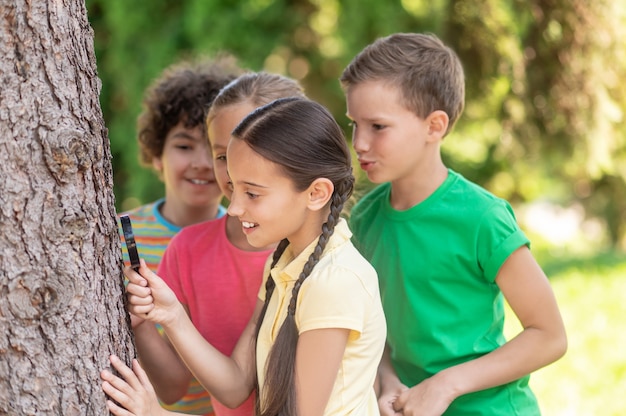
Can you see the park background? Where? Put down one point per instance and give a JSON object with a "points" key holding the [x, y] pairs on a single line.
{"points": [[543, 127]]}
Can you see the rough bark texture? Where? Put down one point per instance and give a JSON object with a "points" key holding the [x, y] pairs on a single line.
{"points": [[61, 305]]}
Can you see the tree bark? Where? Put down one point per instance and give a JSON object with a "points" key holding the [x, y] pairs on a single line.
{"points": [[61, 303]]}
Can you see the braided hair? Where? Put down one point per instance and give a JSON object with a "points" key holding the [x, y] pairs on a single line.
{"points": [[302, 137]]}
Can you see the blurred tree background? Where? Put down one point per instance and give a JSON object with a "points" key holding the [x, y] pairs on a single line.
{"points": [[546, 96]]}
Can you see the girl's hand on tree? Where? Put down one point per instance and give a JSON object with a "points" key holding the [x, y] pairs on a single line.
{"points": [[150, 298], [134, 393]]}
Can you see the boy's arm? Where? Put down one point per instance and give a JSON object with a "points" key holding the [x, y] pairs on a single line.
{"points": [[167, 373], [541, 342], [390, 386]]}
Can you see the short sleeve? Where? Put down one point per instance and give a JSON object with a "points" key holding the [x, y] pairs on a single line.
{"points": [[333, 298], [499, 236]]}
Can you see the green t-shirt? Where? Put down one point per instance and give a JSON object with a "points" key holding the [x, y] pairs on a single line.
{"points": [[437, 263]]}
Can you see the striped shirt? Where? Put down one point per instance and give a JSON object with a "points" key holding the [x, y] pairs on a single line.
{"points": [[152, 235]]}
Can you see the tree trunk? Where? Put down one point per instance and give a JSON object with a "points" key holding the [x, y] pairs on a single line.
{"points": [[61, 304]]}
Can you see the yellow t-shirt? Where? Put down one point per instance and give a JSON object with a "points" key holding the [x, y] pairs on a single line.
{"points": [[341, 292]]}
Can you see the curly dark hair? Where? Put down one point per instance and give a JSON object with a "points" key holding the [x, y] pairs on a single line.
{"points": [[182, 93]]}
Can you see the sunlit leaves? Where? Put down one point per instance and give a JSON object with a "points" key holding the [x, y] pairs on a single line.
{"points": [[545, 90]]}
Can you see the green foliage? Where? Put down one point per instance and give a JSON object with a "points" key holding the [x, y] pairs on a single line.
{"points": [[543, 121], [136, 40], [573, 105], [545, 98]]}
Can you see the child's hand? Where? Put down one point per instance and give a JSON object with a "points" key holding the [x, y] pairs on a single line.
{"points": [[135, 395], [387, 398], [135, 321], [425, 399], [149, 297]]}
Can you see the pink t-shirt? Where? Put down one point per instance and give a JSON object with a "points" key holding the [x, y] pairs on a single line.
{"points": [[219, 284]]}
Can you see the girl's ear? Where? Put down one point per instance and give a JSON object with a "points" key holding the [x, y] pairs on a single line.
{"points": [[320, 191], [437, 124]]}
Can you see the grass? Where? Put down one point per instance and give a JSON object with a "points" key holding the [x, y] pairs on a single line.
{"points": [[591, 378]]}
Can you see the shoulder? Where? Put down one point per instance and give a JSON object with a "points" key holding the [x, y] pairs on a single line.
{"points": [[148, 219], [375, 194], [201, 232], [148, 223], [204, 227], [345, 270], [469, 196], [341, 292], [470, 189], [142, 212], [370, 203]]}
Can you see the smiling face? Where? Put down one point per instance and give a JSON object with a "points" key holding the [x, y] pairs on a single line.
{"points": [[219, 129], [265, 199], [186, 168]]}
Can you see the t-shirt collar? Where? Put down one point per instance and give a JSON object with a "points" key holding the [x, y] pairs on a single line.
{"points": [[289, 268]]}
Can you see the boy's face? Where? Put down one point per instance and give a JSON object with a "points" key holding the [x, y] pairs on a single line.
{"points": [[186, 168], [224, 122], [392, 143]]}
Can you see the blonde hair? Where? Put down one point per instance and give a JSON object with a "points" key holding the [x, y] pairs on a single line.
{"points": [[256, 88], [428, 74]]}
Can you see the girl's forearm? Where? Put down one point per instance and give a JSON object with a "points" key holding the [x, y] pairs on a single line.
{"points": [[229, 379], [168, 374]]}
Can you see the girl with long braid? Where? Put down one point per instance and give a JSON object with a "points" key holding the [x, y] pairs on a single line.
{"points": [[317, 333], [213, 270]]}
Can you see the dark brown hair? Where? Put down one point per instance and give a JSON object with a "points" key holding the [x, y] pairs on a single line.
{"points": [[428, 74], [302, 137], [182, 93]]}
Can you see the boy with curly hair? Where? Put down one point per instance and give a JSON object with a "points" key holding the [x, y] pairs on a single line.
{"points": [[173, 141]]}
